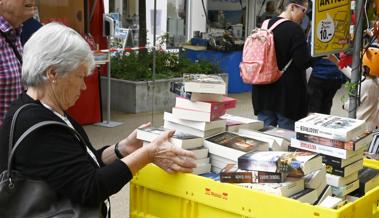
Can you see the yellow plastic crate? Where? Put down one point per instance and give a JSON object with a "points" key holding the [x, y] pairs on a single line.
{"points": [[154, 193], [371, 163]]}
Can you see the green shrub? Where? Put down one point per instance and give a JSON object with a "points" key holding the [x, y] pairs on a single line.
{"points": [[138, 66]]}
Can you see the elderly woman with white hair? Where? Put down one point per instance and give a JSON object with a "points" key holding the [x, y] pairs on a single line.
{"points": [[56, 60]]}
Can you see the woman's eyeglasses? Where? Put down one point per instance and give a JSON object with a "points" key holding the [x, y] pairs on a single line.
{"points": [[303, 9]]}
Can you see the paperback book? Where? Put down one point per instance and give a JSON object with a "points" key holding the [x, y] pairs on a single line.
{"points": [[231, 174], [195, 115], [331, 127], [193, 131], [276, 143], [231, 145], [334, 180], [179, 139], [178, 89], [314, 179], [368, 179], [204, 83], [279, 132], [307, 195], [345, 171], [290, 187], [341, 191], [209, 107], [234, 123], [296, 164], [200, 125], [356, 144]]}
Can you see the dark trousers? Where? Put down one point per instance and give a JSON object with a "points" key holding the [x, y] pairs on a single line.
{"points": [[320, 94]]}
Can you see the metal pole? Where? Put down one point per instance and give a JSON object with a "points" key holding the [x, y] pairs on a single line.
{"points": [[154, 59], [356, 65], [109, 84]]}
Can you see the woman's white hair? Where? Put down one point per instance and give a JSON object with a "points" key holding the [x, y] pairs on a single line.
{"points": [[57, 47]]}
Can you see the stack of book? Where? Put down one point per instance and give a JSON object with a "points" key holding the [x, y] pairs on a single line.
{"points": [[199, 115], [182, 140], [226, 147], [289, 174], [341, 141]]}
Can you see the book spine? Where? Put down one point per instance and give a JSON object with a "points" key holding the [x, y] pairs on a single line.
{"points": [[313, 147], [345, 171], [251, 177]]}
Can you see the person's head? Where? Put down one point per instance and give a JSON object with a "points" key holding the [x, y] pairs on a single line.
{"points": [[270, 6], [17, 11], [294, 10], [56, 60]]}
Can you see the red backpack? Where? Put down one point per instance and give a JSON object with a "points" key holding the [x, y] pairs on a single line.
{"points": [[259, 64]]}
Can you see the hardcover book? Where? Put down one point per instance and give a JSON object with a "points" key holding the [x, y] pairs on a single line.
{"points": [[345, 171], [296, 164], [179, 139], [200, 125], [231, 174], [204, 83], [234, 123], [331, 127], [231, 145], [356, 144], [290, 187], [178, 89]]}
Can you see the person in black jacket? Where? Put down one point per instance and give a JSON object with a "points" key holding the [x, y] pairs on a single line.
{"points": [[56, 61], [285, 101]]}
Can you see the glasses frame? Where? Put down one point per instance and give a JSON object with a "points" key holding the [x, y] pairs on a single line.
{"points": [[303, 9]]}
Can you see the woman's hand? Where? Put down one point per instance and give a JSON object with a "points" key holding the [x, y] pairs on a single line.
{"points": [[131, 143], [169, 157]]}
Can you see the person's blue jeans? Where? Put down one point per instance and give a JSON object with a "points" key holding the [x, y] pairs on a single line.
{"points": [[271, 118]]}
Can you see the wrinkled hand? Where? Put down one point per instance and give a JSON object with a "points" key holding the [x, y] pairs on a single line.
{"points": [[169, 157], [131, 143]]}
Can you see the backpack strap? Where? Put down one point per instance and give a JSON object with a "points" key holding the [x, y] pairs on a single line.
{"points": [[276, 23]]}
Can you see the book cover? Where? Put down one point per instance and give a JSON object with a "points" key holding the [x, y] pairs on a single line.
{"points": [[324, 193], [352, 145], [231, 174], [307, 195], [231, 145], [290, 187], [178, 89], [330, 126], [179, 139], [296, 164], [368, 179], [279, 132], [345, 171], [229, 102], [276, 143], [332, 202], [200, 125], [194, 115], [204, 83], [322, 149]]}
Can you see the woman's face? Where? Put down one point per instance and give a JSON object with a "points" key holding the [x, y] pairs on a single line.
{"points": [[67, 88], [299, 11]]}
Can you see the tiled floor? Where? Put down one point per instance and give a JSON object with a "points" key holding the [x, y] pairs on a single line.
{"points": [[102, 135]]}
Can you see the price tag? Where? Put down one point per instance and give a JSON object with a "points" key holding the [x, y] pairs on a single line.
{"points": [[325, 29]]}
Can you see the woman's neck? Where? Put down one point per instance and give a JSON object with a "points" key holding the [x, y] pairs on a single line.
{"points": [[38, 94], [286, 14]]}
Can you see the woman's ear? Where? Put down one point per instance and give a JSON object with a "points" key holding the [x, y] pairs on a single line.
{"points": [[51, 75]]}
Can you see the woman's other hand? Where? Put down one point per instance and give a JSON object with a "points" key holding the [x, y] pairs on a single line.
{"points": [[169, 157], [131, 143]]}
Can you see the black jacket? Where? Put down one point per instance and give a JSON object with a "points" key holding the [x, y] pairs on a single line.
{"points": [[287, 96], [54, 155]]}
